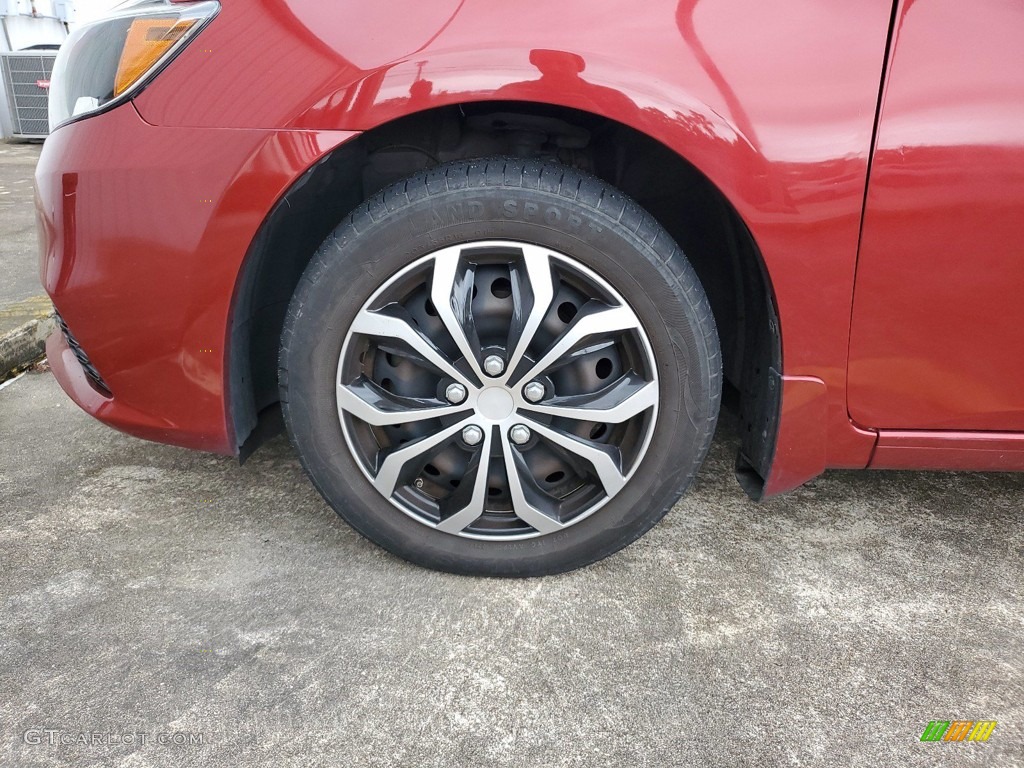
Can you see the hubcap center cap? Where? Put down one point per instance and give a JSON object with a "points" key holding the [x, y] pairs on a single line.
{"points": [[495, 404]]}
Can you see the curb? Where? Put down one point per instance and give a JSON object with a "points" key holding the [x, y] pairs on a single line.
{"points": [[25, 344]]}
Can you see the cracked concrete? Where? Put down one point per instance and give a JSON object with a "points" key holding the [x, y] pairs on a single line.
{"points": [[149, 589]]}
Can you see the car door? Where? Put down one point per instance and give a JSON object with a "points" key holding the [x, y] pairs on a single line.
{"points": [[937, 338]]}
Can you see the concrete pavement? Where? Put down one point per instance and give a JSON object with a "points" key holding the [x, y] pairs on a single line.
{"points": [[159, 592], [21, 297], [25, 311]]}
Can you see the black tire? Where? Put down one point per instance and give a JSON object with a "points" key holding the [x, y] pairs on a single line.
{"points": [[542, 203]]}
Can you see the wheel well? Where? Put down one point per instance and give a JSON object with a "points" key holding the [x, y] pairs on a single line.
{"points": [[686, 203]]}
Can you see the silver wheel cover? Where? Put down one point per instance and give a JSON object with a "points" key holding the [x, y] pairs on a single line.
{"points": [[497, 390]]}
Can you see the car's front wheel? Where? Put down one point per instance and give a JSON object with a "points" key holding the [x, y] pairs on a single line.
{"points": [[500, 367]]}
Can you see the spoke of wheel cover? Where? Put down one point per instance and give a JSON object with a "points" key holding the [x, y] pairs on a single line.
{"points": [[530, 302], [389, 323], [525, 509], [629, 396], [605, 459], [394, 462], [591, 320], [366, 401], [459, 519], [451, 292], [581, 352]]}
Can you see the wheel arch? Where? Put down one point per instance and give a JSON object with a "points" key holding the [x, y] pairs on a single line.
{"points": [[638, 159]]}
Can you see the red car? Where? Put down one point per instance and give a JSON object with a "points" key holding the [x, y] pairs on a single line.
{"points": [[498, 265]]}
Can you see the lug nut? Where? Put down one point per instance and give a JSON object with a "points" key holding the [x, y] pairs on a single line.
{"points": [[455, 393], [519, 434], [533, 391], [493, 365], [472, 435]]}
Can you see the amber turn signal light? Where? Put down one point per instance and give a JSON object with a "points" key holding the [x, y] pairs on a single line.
{"points": [[147, 40]]}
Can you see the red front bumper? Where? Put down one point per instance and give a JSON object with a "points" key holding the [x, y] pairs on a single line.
{"points": [[144, 230]]}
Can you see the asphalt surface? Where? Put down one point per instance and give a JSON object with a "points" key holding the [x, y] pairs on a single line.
{"points": [[149, 590], [21, 296]]}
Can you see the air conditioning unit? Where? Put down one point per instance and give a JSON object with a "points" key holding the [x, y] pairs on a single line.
{"points": [[26, 80]]}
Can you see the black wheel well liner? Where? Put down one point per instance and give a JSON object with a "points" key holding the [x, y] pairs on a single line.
{"points": [[704, 223]]}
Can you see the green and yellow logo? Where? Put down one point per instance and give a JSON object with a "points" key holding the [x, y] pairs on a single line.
{"points": [[958, 730]]}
